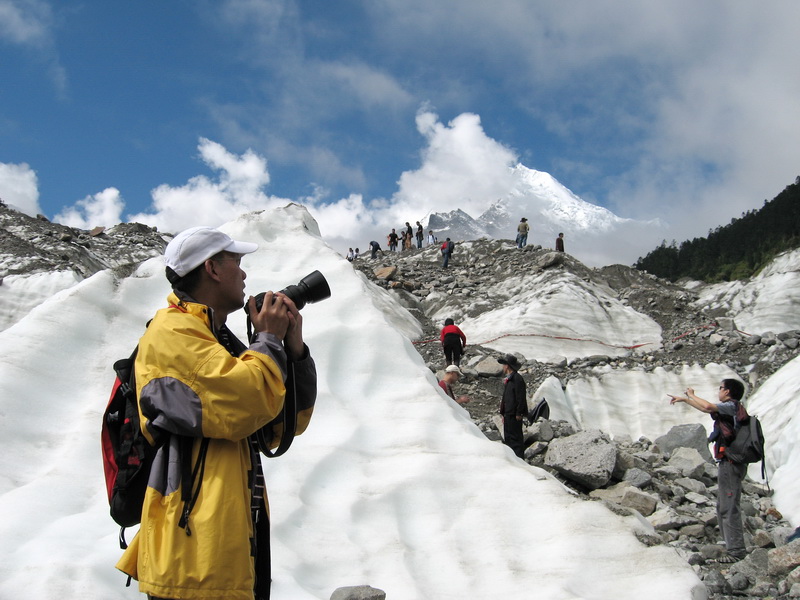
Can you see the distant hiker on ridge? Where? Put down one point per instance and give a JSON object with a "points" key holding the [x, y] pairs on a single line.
{"points": [[522, 232], [447, 251], [560, 243], [374, 248], [420, 235]]}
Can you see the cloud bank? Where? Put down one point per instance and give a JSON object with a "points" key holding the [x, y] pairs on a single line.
{"points": [[460, 167]]}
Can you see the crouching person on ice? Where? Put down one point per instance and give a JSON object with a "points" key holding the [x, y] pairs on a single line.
{"points": [[728, 413], [210, 403]]}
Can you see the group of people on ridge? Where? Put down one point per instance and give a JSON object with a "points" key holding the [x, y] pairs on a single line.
{"points": [[405, 239], [522, 236], [397, 242]]}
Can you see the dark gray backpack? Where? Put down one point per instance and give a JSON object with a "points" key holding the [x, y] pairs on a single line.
{"points": [[748, 445]]}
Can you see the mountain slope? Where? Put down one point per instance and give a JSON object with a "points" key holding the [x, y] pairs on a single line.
{"points": [[592, 232]]}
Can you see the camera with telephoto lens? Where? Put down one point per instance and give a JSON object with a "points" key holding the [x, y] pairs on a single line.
{"points": [[312, 288]]}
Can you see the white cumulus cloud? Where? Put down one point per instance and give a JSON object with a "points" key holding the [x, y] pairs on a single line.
{"points": [[99, 210], [19, 187]]}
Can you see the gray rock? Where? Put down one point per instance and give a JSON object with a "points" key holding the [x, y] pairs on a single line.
{"points": [[615, 493], [640, 501], [715, 339], [535, 449], [551, 259], [587, 458], [753, 566], [666, 518], [784, 559], [358, 592], [738, 582], [712, 551], [685, 436], [541, 431], [762, 539], [488, 367], [625, 461], [692, 485], [696, 531], [696, 498], [688, 461], [638, 478], [669, 472]]}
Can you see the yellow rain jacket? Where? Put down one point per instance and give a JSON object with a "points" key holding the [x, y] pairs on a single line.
{"points": [[189, 384]]}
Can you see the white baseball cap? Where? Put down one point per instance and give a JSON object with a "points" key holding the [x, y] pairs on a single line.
{"points": [[192, 247], [452, 369]]}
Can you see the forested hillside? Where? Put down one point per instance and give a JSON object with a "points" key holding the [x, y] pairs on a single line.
{"points": [[733, 251]]}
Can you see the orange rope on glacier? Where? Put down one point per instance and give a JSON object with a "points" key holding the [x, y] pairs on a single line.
{"points": [[573, 339], [554, 337]]}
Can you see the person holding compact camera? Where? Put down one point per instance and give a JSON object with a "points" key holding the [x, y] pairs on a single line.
{"points": [[210, 403]]}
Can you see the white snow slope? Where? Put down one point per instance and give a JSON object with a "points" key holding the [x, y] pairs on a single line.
{"points": [[392, 485]]}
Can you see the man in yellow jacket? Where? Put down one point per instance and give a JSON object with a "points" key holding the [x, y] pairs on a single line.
{"points": [[203, 393]]}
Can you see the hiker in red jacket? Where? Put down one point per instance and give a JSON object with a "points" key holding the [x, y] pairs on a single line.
{"points": [[453, 343]]}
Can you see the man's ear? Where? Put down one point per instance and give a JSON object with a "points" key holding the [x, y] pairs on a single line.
{"points": [[211, 269]]}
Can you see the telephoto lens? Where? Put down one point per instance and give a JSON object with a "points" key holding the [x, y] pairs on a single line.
{"points": [[312, 288]]}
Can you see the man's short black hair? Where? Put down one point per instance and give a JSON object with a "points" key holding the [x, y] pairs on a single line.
{"points": [[735, 387], [189, 282]]}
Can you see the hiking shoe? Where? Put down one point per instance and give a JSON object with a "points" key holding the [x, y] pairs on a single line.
{"points": [[727, 559]]}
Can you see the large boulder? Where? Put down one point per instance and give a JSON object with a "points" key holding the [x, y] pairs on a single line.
{"points": [[688, 461], [685, 436], [488, 367], [784, 559], [587, 458]]}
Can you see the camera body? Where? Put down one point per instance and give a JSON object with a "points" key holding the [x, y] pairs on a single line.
{"points": [[311, 288]]}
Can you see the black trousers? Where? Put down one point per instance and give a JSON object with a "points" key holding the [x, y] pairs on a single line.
{"points": [[452, 354], [512, 435]]}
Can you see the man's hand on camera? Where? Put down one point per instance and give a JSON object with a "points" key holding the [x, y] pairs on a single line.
{"points": [[274, 316], [295, 347]]}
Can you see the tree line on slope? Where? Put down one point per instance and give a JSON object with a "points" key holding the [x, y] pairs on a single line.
{"points": [[735, 251]]}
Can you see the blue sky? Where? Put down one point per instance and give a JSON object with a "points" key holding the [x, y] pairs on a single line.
{"points": [[184, 111]]}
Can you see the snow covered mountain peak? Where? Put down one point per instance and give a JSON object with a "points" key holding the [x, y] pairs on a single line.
{"points": [[551, 208]]}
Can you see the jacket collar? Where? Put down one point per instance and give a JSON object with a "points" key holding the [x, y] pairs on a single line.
{"points": [[185, 303]]}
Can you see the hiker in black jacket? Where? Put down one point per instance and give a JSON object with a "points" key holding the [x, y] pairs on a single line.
{"points": [[514, 405]]}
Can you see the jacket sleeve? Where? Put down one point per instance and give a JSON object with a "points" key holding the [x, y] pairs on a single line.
{"points": [[301, 382], [520, 394]]}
